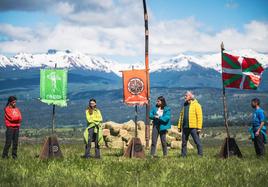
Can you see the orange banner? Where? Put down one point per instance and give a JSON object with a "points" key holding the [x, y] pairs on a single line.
{"points": [[135, 87]]}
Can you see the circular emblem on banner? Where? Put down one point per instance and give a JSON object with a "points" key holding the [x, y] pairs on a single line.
{"points": [[135, 86]]}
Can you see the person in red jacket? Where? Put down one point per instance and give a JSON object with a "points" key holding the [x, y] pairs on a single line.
{"points": [[13, 119]]}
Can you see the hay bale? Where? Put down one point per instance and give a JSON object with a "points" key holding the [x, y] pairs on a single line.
{"points": [[129, 126], [106, 132], [115, 130], [123, 132], [141, 125], [110, 124], [170, 139], [177, 145], [174, 132]]}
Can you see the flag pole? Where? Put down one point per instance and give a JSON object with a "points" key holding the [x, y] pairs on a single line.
{"points": [[225, 107], [147, 121], [53, 112]]}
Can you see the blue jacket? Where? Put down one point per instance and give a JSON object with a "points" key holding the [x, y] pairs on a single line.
{"points": [[257, 117], [164, 121]]}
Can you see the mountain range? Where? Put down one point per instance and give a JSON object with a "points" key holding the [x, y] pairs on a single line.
{"points": [[201, 70]]}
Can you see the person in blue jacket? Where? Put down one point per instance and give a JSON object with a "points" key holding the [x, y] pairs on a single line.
{"points": [[160, 114], [258, 130]]}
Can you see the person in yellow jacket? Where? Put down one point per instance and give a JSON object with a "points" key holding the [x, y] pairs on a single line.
{"points": [[93, 132], [190, 122]]}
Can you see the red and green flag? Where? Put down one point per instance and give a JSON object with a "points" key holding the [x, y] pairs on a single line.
{"points": [[241, 72]]}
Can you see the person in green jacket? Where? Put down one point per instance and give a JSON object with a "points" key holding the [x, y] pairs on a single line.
{"points": [[93, 132]]}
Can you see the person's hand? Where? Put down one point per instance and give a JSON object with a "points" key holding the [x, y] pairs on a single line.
{"points": [[257, 133], [198, 131], [156, 117], [179, 129]]}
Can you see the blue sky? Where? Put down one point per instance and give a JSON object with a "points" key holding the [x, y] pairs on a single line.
{"points": [[114, 28], [217, 14]]}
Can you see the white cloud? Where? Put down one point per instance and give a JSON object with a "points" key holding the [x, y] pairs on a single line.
{"points": [[16, 33], [173, 37]]}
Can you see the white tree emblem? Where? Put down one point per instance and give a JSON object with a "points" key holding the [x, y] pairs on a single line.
{"points": [[53, 78]]}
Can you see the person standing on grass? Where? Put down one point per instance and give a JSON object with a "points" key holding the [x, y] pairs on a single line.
{"points": [[13, 120], [190, 122], [160, 115], [258, 129], [93, 132]]}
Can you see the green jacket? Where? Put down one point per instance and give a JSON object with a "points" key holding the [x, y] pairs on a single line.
{"points": [[94, 121]]}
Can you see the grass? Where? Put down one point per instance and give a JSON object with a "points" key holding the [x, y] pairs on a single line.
{"points": [[114, 170]]}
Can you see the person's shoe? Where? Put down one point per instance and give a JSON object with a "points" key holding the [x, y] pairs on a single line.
{"points": [[154, 156], [260, 156], [4, 157], [85, 156], [97, 157]]}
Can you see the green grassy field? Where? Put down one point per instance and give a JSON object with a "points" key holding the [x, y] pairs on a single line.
{"points": [[114, 170]]}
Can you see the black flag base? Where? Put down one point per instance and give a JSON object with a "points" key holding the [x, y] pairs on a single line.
{"points": [[51, 148], [135, 149], [230, 144]]}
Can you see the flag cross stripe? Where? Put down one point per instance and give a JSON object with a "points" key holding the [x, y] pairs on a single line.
{"points": [[240, 72]]}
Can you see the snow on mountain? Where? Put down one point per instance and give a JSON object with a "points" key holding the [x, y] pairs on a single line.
{"points": [[214, 60], [63, 60], [178, 63], [183, 62], [67, 59]]}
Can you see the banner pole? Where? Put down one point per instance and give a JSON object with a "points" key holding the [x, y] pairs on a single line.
{"points": [[225, 107], [147, 120], [53, 112], [136, 119]]}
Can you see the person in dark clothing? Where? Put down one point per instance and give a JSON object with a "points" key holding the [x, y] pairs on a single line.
{"points": [[13, 120], [258, 128], [160, 115]]}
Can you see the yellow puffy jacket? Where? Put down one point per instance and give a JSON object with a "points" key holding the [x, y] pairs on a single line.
{"points": [[195, 115]]}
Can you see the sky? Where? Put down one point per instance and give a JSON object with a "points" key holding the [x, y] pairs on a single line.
{"points": [[115, 28]]}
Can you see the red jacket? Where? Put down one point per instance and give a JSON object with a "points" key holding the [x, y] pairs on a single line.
{"points": [[13, 117]]}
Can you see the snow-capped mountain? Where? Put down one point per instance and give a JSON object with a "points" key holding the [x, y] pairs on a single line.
{"points": [[67, 59], [179, 71], [183, 62], [63, 59]]}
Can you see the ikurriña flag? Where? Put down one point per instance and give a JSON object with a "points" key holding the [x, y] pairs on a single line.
{"points": [[135, 87], [241, 72]]}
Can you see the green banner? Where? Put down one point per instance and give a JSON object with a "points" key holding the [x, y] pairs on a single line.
{"points": [[53, 86]]}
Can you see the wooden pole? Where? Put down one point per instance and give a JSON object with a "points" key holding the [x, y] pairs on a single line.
{"points": [[147, 121], [225, 106], [136, 121], [53, 113]]}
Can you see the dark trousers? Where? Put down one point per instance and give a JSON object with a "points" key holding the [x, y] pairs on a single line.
{"points": [[92, 137], [155, 134], [259, 145], [12, 136], [185, 137]]}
